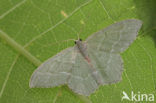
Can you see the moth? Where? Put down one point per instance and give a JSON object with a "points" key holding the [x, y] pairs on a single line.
{"points": [[89, 63]]}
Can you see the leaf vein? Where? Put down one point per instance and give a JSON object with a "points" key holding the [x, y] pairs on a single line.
{"points": [[60, 22], [12, 9], [7, 77]]}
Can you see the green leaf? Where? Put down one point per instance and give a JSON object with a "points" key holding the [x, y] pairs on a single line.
{"points": [[31, 31]]}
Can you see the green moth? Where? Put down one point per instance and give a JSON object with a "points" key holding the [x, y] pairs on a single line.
{"points": [[89, 64]]}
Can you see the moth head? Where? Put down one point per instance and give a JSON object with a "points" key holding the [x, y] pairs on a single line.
{"points": [[79, 40]]}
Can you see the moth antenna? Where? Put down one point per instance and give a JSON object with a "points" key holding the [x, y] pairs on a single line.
{"points": [[81, 30], [78, 36]]}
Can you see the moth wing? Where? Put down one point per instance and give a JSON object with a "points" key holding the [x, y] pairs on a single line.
{"points": [[109, 66], [103, 69], [55, 71], [81, 80], [115, 38]]}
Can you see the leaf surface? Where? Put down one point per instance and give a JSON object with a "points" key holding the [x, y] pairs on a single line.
{"points": [[44, 28]]}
